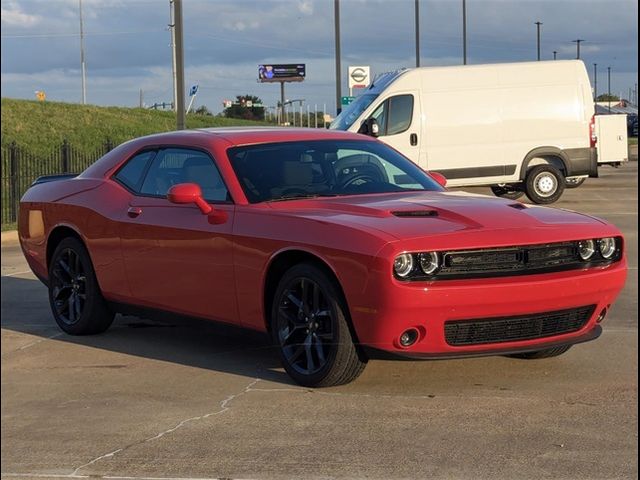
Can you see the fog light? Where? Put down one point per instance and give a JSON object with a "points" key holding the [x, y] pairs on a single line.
{"points": [[603, 314], [586, 249], [409, 337], [607, 247]]}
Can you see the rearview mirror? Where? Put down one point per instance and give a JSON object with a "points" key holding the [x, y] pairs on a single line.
{"points": [[189, 193], [438, 177]]}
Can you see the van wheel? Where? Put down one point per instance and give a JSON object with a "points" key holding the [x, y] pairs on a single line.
{"points": [[574, 182], [506, 192], [544, 184]]}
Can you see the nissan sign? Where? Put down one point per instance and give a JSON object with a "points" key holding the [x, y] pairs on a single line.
{"points": [[359, 77]]}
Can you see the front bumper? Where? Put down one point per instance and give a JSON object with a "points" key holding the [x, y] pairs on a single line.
{"points": [[388, 308]]}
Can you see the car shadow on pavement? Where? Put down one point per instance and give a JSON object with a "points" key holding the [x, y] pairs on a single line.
{"points": [[195, 343]]}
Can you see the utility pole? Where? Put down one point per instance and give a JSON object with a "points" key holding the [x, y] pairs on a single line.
{"points": [[172, 28], [595, 82], [538, 24], [141, 104], [336, 19], [82, 64], [555, 54], [179, 52], [578, 41], [609, 87], [464, 32], [417, 14]]}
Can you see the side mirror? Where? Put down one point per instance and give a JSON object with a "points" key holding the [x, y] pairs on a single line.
{"points": [[189, 193], [370, 127], [438, 177]]}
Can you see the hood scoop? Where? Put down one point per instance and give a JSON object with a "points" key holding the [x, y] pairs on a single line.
{"points": [[518, 206], [415, 213]]}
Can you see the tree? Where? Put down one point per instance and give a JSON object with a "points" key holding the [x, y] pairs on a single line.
{"points": [[203, 110], [605, 97], [246, 107]]}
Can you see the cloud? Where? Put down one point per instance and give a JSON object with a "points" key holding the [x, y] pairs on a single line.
{"points": [[13, 16]]}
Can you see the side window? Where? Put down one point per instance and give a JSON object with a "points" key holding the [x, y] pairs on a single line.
{"points": [[130, 175], [179, 165], [400, 113]]}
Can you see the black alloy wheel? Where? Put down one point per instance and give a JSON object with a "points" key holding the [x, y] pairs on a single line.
{"points": [[310, 328], [74, 294]]}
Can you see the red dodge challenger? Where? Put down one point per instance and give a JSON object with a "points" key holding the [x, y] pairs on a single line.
{"points": [[332, 242]]}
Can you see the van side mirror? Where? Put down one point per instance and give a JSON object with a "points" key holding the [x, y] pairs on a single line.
{"points": [[438, 177], [370, 127]]}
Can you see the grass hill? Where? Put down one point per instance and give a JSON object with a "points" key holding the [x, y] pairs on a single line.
{"points": [[40, 127]]}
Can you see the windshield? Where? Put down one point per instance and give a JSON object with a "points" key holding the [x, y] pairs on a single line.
{"points": [[324, 168], [352, 112]]}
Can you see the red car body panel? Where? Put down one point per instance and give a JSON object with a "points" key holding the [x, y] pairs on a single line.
{"points": [[171, 257]]}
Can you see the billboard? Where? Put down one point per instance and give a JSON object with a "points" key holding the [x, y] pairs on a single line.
{"points": [[290, 72]]}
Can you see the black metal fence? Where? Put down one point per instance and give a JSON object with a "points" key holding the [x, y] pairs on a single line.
{"points": [[20, 168]]}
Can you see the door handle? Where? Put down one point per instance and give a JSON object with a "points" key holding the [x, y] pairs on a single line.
{"points": [[133, 212], [413, 139]]}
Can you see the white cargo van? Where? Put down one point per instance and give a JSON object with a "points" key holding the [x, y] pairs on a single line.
{"points": [[518, 127]]}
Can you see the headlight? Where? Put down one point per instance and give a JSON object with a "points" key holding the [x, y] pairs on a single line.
{"points": [[403, 264], [586, 249], [429, 262], [607, 247]]}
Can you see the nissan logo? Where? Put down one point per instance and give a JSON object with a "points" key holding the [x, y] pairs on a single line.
{"points": [[359, 75]]}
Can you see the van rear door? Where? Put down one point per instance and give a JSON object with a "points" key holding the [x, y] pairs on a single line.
{"points": [[399, 119]]}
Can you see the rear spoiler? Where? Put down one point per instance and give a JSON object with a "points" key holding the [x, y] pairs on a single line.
{"points": [[53, 178]]}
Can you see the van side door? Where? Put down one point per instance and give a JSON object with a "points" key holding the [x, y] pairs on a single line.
{"points": [[400, 121]]}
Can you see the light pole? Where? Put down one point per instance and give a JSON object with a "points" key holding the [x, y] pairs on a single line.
{"points": [[336, 19], [82, 65], [179, 49], [578, 41], [609, 87], [417, 14], [538, 24], [464, 32], [555, 54], [595, 82]]}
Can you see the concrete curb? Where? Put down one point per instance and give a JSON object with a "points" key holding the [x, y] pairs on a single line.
{"points": [[10, 238]]}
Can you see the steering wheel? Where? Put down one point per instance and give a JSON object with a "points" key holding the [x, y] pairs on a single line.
{"points": [[357, 180]]}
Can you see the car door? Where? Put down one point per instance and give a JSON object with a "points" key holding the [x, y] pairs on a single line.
{"points": [[175, 259], [398, 118]]}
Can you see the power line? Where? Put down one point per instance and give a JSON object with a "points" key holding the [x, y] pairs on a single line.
{"points": [[92, 34]]}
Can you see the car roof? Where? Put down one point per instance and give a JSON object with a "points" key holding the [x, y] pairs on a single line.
{"points": [[254, 135]]}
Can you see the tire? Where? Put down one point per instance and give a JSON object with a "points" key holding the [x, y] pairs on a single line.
{"points": [[574, 183], [506, 192], [548, 353], [544, 184], [309, 326], [74, 294]]}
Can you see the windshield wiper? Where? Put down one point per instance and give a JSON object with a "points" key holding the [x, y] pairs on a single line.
{"points": [[298, 196]]}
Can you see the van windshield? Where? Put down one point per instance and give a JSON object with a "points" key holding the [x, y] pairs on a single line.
{"points": [[352, 112]]}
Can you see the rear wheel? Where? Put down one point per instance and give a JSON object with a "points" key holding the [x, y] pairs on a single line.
{"points": [[309, 325], [548, 353], [74, 295], [574, 182], [544, 184], [506, 191]]}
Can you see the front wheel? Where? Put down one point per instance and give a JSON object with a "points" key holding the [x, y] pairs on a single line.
{"points": [[504, 191], [74, 294], [309, 326], [544, 184], [548, 353]]}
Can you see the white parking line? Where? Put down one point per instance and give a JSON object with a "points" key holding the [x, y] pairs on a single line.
{"points": [[16, 273]]}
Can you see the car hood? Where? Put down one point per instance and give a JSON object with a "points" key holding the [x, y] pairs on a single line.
{"points": [[421, 214]]}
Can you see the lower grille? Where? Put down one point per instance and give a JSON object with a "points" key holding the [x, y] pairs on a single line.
{"points": [[521, 327]]}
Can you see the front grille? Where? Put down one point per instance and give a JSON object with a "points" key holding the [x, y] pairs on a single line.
{"points": [[521, 327]]}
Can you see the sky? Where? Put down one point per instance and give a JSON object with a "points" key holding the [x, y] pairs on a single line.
{"points": [[127, 44]]}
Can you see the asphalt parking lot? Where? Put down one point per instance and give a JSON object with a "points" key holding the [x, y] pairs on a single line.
{"points": [[159, 400]]}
